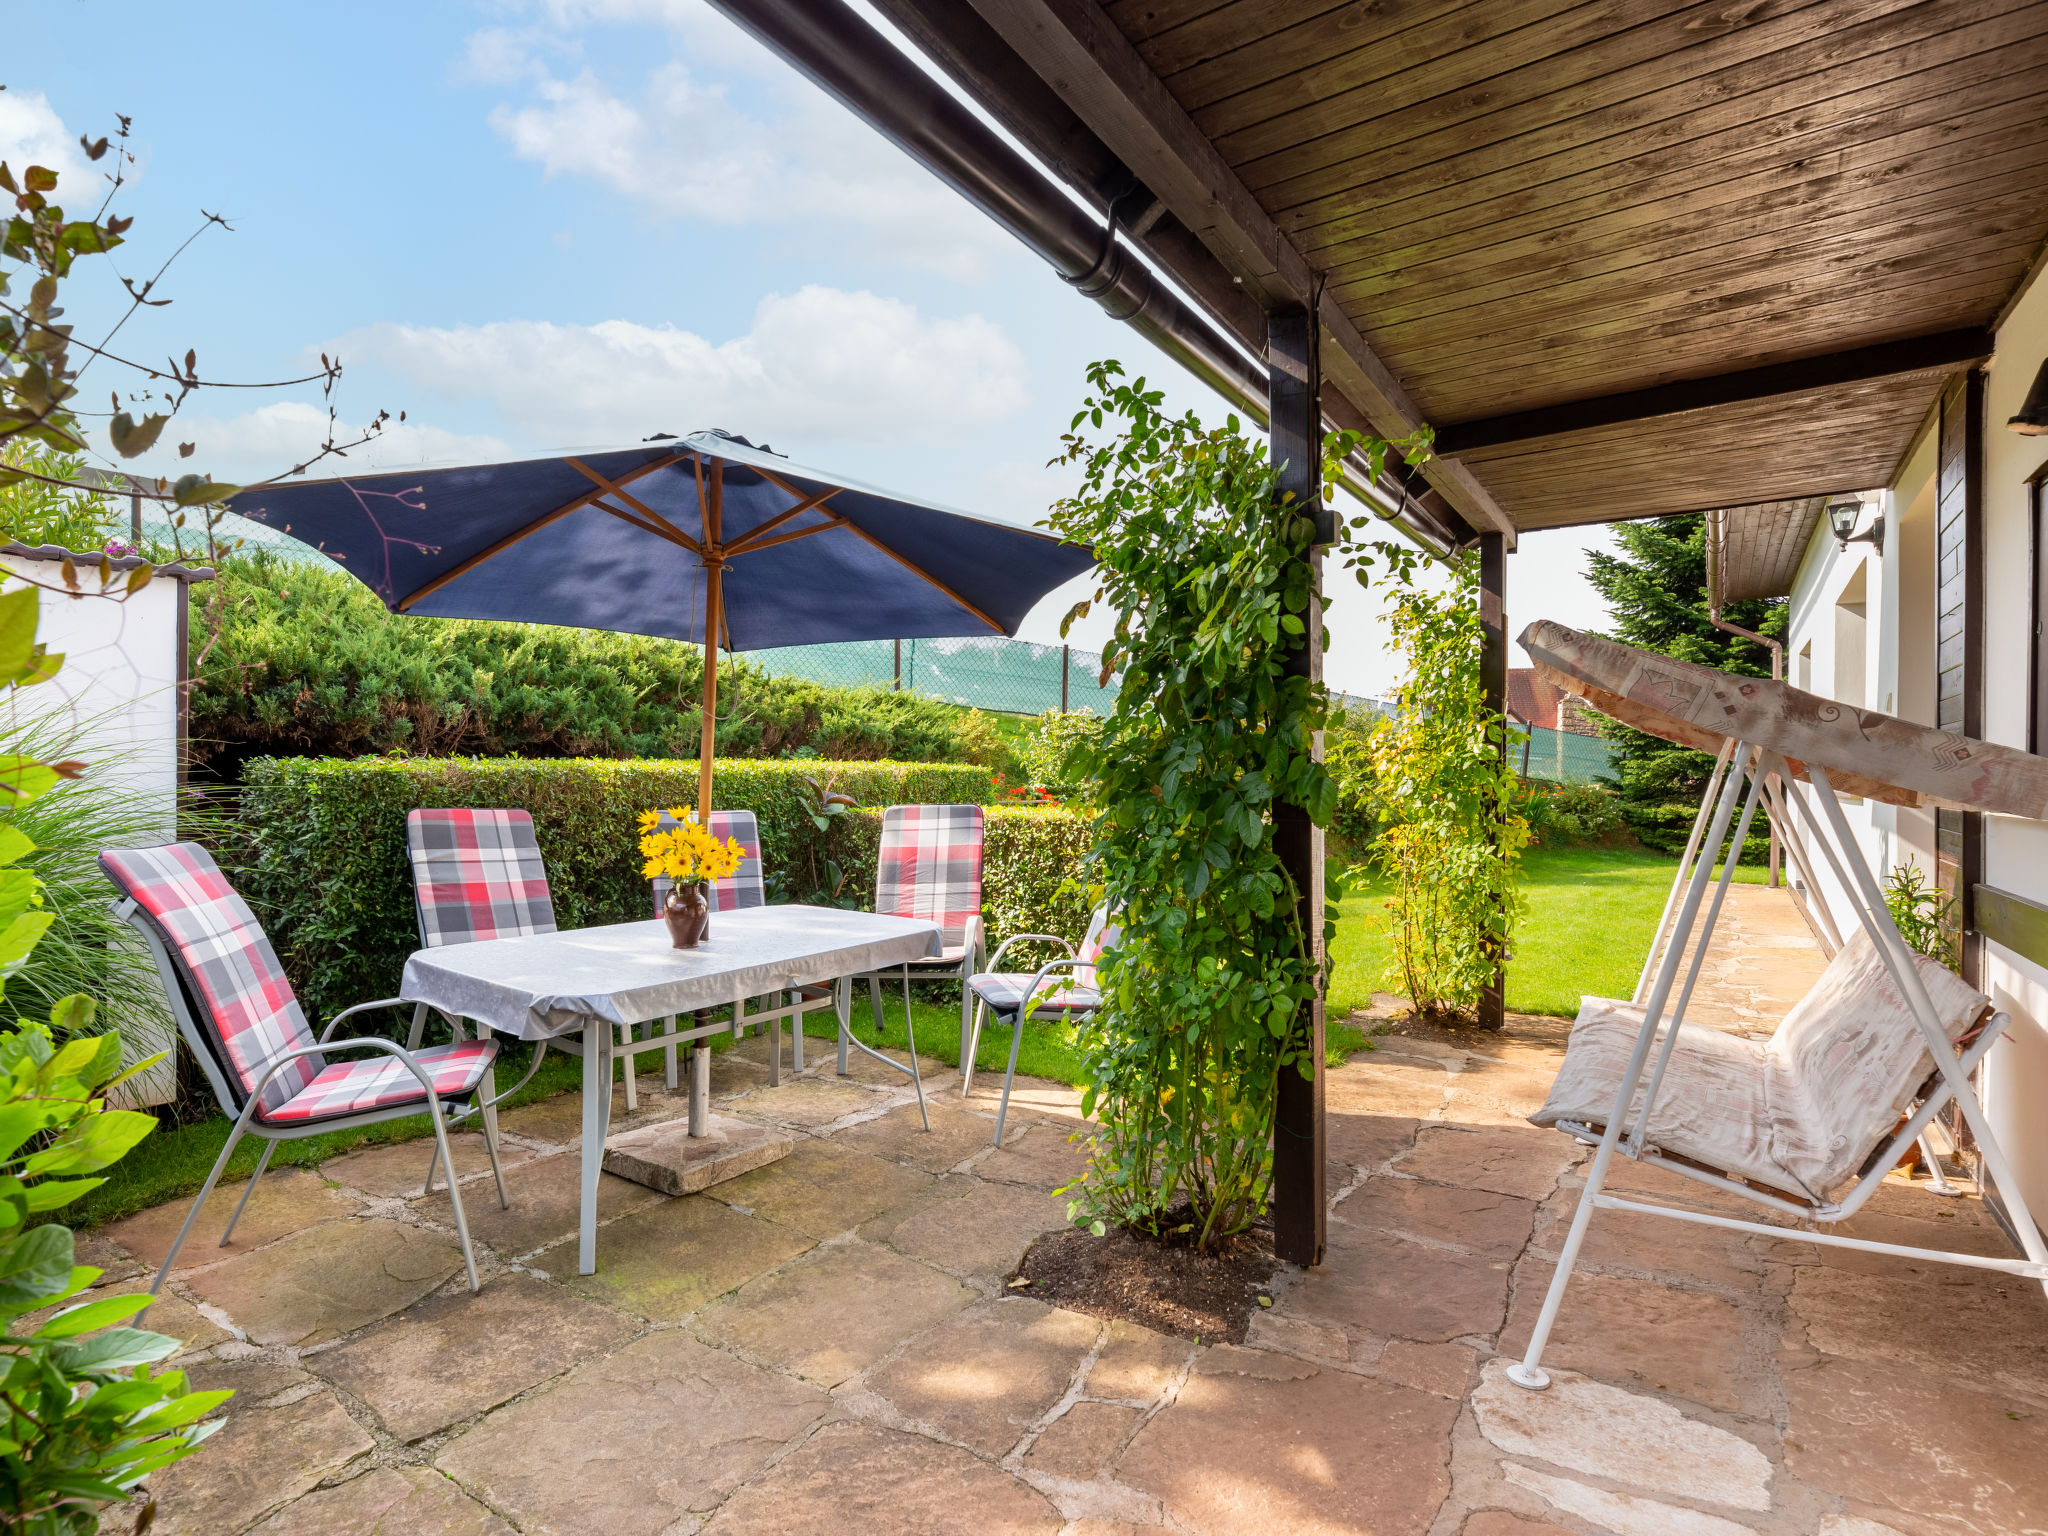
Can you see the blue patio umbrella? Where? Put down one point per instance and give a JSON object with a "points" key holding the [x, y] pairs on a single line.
{"points": [[704, 538]]}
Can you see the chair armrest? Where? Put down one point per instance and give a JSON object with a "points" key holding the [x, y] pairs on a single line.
{"points": [[971, 961], [360, 1042], [335, 1023], [1002, 949], [1031, 992]]}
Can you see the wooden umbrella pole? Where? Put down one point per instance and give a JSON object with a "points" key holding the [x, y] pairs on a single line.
{"points": [[714, 622]]}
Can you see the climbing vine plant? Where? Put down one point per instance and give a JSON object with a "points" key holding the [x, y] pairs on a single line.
{"points": [[1444, 794], [1207, 991]]}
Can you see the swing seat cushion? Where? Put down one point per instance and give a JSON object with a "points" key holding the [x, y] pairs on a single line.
{"points": [[1801, 1112]]}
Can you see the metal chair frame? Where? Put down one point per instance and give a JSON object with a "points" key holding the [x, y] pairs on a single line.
{"points": [[1016, 1017], [1949, 1083], [483, 1101]]}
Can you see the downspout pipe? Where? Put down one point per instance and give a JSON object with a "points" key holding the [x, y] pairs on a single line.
{"points": [[847, 58], [1717, 531]]}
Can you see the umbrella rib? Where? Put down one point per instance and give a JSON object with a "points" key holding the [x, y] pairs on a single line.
{"points": [[908, 564], [784, 538], [632, 501], [421, 594], [815, 500], [661, 530]]}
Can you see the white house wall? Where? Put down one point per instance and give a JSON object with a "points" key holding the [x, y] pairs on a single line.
{"points": [[2015, 1076]]}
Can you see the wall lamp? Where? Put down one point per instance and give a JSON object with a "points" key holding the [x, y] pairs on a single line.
{"points": [[1842, 517], [2033, 417]]}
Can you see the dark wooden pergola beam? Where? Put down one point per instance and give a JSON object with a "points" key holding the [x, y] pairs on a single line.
{"points": [[1914, 354]]}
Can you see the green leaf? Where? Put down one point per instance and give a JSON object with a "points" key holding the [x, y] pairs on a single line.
{"points": [[20, 937], [198, 491], [132, 438], [22, 779], [35, 1266], [15, 844], [52, 1193], [25, 1118], [18, 611], [117, 1349], [73, 1321], [92, 1143]]}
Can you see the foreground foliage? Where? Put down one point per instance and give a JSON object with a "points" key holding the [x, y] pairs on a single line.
{"points": [[1207, 993]]}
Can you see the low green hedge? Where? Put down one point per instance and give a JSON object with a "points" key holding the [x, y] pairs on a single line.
{"points": [[321, 846]]}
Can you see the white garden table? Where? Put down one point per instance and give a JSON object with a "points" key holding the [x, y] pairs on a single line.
{"points": [[588, 981]]}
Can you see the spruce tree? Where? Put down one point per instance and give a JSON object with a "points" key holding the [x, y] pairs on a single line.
{"points": [[1656, 586]]}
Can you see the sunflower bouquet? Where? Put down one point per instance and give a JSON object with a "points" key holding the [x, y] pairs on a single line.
{"points": [[686, 853]]}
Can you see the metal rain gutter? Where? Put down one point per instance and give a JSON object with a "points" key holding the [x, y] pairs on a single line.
{"points": [[845, 56]]}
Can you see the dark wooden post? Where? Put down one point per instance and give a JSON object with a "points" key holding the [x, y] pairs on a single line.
{"points": [[1066, 670], [1300, 1209], [1493, 678]]}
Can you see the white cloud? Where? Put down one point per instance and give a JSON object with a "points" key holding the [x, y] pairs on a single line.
{"points": [[31, 133], [272, 438], [818, 365], [681, 147]]}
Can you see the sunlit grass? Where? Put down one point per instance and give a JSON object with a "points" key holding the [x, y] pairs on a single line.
{"points": [[1591, 914]]}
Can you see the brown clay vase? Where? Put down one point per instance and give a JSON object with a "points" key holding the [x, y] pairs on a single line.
{"points": [[687, 913]]}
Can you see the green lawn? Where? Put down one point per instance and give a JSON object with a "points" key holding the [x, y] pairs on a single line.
{"points": [[1590, 916], [1589, 921]]}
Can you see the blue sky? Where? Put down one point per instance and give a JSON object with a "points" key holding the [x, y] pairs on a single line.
{"points": [[576, 222]]}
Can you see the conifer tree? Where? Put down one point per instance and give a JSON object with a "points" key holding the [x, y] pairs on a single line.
{"points": [[1656, 586]]}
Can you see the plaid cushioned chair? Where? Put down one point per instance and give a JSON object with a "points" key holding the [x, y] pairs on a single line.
{"points": [[1014, 996], [929, 867], [245, 1028]]}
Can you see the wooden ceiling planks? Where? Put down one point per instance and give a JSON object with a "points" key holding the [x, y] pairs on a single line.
{"points": [[1762, 547]]}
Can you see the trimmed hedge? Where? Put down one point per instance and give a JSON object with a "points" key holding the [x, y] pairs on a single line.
{"points": [[309, 663], [321, 853]]}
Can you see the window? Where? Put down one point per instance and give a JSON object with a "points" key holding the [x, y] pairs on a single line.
{"points": [[1851, 624]]}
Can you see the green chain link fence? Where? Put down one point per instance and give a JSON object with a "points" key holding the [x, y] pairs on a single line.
{"points": [[1012, 677]]}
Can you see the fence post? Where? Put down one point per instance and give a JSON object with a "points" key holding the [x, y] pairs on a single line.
{"points": [[898, 684], [1066, 666]]}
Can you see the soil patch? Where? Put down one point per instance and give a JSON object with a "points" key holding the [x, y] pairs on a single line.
{"points": [[1177, 1290], [1395, 1018]]}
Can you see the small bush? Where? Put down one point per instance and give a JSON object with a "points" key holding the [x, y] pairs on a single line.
{"points": [[309, 662], [978, 737], [1047, 759], [1572, 815]]}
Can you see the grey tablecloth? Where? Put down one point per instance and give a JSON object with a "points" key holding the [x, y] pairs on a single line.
{"points": [[554, 983]]}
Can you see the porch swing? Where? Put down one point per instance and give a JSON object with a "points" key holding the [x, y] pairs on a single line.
{"points": [[1807, 1123]]}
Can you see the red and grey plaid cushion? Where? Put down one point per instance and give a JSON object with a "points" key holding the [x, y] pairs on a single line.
{"points": [[477, 875], [1004, 992], [246, 1005], [745, 888], [1102, 936], [930, 866], [380, 1081]]}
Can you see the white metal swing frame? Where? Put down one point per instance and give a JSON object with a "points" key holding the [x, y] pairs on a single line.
{"points": [[1770, 781]]}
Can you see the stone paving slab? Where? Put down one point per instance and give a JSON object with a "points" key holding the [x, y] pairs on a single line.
{"points": [[399, 1169], [546, 1199], [329, 1280], [1045, 1156], [1083, 1442], [387, 1501], [810, 1102], [982, 1234], [986, 1376], [1481, 1222], [835, 1314], [1373, 1283], [1524, 1162], [1238, 1453], [284, 1435], [632, 1443], [455, 1355], [823, 1188], [956, 1135], [286, 1200], [860, 1477], [665, 1262], [1643, 1332]]}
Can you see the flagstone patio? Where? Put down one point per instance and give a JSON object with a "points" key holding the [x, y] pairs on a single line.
{"points": [[825, 1344]]}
